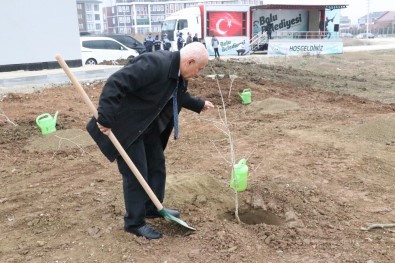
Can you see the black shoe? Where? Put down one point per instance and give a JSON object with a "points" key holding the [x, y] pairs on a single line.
{"points": [[156, 214], [146, 231]]}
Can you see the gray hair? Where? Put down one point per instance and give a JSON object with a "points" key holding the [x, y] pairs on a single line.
{"points": [[195, 50]]}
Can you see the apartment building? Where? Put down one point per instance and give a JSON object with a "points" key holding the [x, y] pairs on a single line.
{"points": [[90, 16], [140, 17]]}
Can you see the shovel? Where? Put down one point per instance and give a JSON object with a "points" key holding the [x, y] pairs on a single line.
{"points": [[120, 149]]}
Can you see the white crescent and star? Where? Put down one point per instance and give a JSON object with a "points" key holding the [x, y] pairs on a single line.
{"points": [[218, 24]]}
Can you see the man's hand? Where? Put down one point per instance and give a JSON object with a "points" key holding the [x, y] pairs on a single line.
{"points": [[208, 105], [103, 129]]}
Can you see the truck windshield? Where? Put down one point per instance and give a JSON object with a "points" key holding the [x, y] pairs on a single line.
{"points": [[169, 25]]}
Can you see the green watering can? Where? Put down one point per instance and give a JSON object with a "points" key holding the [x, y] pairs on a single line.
{"points": [[239, 177], [245, 96], [47, 123]]}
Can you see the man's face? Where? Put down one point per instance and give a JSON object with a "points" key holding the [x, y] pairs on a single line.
{"points": [[191, 69]]}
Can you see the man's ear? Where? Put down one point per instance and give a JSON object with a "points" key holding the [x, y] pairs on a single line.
{"points": [[191, 61]]}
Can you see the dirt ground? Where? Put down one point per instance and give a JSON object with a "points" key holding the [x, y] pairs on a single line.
{"points": [[319, 139]]}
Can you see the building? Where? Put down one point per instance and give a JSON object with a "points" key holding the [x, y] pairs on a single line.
{"points": [[140, 17], [385, 21], [33, 35], [362, 21], [344, 23], [90, 16]]}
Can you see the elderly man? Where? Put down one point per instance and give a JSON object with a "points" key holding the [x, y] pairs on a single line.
{"points": [[140, 105]]}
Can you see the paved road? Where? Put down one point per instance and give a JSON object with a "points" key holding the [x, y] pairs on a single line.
{"points": [[30, 81]]}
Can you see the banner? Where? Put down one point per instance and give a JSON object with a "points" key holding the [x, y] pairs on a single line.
{"points": [[228, 46], [225, 24], [332, 18], [279, 20], [294, 48]]}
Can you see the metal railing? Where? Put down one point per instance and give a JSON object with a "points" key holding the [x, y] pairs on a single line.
{"points": [[377, 32], [305, 35], [257, 42]]}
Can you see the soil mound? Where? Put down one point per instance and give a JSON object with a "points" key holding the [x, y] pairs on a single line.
{"points": [[378, 130], [60, 140], [273, 105]]}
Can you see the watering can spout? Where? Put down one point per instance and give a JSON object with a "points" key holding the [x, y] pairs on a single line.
{"points": [[55, 117]]}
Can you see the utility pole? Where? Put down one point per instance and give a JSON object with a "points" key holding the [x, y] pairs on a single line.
{"points": [[367, 20]]}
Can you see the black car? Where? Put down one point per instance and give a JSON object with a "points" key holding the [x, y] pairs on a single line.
{"points": [[128, 41]]}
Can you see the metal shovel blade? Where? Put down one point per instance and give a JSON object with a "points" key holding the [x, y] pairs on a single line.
{"points": [[168, 216]]}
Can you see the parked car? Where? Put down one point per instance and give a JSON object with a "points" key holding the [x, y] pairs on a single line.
{"points": [[95, 50], [346, 35], [365, 35], [128, 41]]}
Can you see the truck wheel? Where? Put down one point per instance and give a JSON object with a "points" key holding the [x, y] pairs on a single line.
{"points": [[91, 61]]}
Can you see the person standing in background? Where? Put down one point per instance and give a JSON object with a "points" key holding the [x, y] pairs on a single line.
{"points": [[180, 41], [189, 39], [157, 43], [149, 42], [215, 45], [269, 30], [166, 42], [195, 38]]}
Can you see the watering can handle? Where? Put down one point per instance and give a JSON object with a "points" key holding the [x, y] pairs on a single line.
{"points": [[246, 90], [42, 116], [242, 162], [112, 137]]}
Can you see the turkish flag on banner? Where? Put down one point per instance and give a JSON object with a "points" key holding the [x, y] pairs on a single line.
{"points": [[225, 24]]}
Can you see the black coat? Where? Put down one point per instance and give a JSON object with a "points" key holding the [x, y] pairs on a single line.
{"points": [[138, 94]]}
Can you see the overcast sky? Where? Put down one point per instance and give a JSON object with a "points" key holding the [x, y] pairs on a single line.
{"points": [[358, 8]]}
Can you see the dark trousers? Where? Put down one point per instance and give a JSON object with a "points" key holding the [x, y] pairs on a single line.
{"points": [[148, 157], [216, 53]]}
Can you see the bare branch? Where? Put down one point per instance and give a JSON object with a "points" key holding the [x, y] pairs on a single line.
{"points": [[69, 140], [377, 226], [232, 78], [6, 118], [224, 119], [220, 153]]}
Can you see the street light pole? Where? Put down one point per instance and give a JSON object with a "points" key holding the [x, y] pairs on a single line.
{"points": [[124, 20], [367, 20]]}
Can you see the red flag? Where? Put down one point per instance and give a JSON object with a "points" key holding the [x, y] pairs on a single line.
{"points": [[225, 24]]}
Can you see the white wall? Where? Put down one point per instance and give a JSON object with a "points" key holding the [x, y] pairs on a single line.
{"points": [[36, 30]]}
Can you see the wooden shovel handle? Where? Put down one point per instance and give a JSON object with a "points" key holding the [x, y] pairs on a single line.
{"points": [[112, 137]]}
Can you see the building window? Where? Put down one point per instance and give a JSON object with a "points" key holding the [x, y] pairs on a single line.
{"points": [[98, 27], [89, 17], [79, 6], [97, 17], [96, 7], [88, 7]]}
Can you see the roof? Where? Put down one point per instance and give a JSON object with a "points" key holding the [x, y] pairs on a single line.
{"points": [[306, 2], [302, 4]]}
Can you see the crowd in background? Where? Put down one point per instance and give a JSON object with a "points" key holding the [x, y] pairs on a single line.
{"points": [[156, 43]]}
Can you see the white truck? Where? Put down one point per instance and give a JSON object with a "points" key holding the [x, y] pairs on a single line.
{"points": [[294, 29], [228, 23]]}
